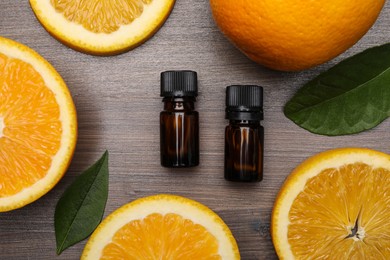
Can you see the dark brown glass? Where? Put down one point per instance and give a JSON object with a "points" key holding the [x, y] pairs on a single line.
{"points": [[244, 151], [179, 133]]}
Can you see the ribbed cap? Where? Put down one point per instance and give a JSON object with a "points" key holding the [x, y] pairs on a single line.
{"points": [[245, 96], [179, 83], [244, 102]]}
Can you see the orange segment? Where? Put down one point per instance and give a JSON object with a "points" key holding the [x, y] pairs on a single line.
{"points": [[139, 240], [165, 227], [341, 211], [113, 14], [102, 27], [20, 167], [37, 126]]}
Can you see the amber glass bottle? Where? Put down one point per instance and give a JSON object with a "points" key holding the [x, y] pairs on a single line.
{"points": [[179, 122], [244, 136]]}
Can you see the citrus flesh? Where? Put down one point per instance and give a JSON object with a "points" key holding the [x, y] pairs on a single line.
{"points": [[37, 126], [335, 205], [293, 35], [102, 27], [162, 227]]}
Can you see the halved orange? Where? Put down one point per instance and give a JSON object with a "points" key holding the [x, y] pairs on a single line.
{"points": [[162, 227], [38, 126], [102, 27], [335, 205]]}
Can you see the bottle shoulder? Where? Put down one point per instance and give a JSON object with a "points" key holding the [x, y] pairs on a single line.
{"points": [[191, 113]]}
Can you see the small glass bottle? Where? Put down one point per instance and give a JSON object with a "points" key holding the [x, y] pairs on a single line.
{"points": [[179, 122], [244, 136]]}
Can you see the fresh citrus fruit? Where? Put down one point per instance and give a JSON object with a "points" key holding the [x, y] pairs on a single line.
{"points": [[102, 27], [38, 126], [162, 227], [293, 35], [335, 205]]}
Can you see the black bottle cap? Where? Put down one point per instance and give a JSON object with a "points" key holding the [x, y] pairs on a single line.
{"points": [[179, 83], [244, 102]]}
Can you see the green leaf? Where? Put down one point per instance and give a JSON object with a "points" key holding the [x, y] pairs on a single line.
{"points": [[349, 98], [80, 209]]}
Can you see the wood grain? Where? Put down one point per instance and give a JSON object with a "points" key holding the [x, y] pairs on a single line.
{"points": [[118, 104]]}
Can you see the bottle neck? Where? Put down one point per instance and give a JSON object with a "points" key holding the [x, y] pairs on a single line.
{"points": [[243, 114], [179, 103], [244, 122]]}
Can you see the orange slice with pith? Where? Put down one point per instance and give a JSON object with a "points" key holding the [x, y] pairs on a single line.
{"points": [[38, 126], [335, 205], [102, 27], [162, 227]]}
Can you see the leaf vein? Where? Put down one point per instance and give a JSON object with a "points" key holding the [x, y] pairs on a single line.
{"points": [[340, 95]]}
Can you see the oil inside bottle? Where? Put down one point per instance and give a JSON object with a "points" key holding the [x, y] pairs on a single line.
{"points": [[179, 130], [243, 151]]}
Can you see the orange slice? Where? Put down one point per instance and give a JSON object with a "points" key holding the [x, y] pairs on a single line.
{"points": [[162, 227], [335, 205], [102, 27], [38, 126]]}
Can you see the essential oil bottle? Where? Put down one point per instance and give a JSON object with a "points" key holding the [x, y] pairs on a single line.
{"points": [[244, 136], [179, 122]]}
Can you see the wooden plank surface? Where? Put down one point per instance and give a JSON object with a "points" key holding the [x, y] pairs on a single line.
{"points": [[118, 106]]}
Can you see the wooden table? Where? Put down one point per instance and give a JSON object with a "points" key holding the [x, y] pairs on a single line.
{"points": [[118, 104]]}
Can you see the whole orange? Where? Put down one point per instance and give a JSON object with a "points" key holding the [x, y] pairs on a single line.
{"points": [[292, 35]]}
